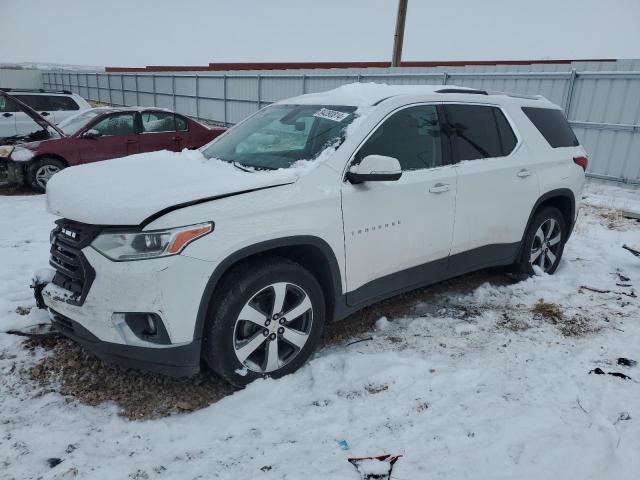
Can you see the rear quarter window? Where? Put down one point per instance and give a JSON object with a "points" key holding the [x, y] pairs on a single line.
{"points": [[552, 125]]}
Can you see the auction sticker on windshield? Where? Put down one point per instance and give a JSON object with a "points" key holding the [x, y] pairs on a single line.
{"points": [[334, 115]]}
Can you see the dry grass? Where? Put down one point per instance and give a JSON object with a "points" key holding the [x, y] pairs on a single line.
{"points": [[549, 311]]}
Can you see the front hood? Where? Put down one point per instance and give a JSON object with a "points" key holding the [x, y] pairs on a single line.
{"points": [[130, 190]]}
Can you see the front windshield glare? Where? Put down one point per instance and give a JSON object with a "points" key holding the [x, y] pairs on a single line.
{"points": [[72, 124], [281, 135]]}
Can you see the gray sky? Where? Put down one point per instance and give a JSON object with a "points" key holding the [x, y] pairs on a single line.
{"points": [[196, 32]]}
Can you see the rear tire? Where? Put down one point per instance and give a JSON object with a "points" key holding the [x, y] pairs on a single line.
{"points": [[265, 321], [40, 172], [543, 243]]}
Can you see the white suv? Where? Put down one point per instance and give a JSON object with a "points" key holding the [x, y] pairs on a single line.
{"points": [[54, 105], [305, 212]]}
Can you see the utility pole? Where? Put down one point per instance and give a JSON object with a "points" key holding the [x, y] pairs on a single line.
{"points": [[399, 36]]}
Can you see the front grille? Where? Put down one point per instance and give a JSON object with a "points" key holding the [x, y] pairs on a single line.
{"points": [[73, 272]]}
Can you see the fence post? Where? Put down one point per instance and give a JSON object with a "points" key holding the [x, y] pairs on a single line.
{"points": [[445, 77], [109, 86], [224, 98], [259, 91], [304, 83], [173, 90], [153, 80], [98, 87], [197, 97], [135, 79], [569, 96]]}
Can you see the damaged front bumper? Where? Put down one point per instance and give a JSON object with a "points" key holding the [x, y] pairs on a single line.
{"points": [[12, 172]]}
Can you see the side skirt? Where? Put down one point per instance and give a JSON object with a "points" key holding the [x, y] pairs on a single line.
{"points": [[424, 275]]}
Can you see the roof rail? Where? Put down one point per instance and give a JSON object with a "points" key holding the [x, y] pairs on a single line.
{"points": [[462, 90], [35, 90], [517, 95]]}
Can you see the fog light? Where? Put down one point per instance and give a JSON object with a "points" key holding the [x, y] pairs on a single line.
{"points": [[137, 328]]}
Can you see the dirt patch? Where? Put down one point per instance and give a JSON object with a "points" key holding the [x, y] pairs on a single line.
{"points": [[549, 311], [612, 218], [574, 326], [513, 322], [78, 374]]}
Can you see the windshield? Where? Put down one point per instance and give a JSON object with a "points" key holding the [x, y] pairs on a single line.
{"points": [[73, 124], [281, 135]]}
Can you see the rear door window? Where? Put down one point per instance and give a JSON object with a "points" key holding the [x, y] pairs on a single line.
{"points": [[553, 126], [479, 131], [155, 122], [32, 101], [181, 124]]}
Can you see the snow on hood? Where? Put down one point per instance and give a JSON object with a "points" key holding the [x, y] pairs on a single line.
{"points": [[127, 191]]}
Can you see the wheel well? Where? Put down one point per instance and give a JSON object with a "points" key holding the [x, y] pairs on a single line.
{"points": [[51, 155], [311, 252], [561, 199], [310, 257], [562, 203]]}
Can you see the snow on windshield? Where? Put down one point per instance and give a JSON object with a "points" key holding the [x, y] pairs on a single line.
{"points": [[73, 124], [282, 135]]}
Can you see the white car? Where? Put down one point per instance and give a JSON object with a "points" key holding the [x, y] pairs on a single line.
{"points": [[305, 212], [54, 105]]}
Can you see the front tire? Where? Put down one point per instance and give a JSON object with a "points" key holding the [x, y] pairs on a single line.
{"points": [[543, 243], [41, 171], [265, 321]]}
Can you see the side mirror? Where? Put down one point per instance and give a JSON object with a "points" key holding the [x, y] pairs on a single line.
{"points": [[91, 134], [375, 168]]}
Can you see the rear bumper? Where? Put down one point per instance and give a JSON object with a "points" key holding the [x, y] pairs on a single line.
{"points": [[178, 361]]}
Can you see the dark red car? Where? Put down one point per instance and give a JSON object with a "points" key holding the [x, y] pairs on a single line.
{"points": [[101, 134]]}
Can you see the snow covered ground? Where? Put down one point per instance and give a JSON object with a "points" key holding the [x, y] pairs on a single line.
{"points": [[489, 384]]}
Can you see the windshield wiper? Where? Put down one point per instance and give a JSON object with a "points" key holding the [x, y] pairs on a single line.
{"points": [[237, 165]]}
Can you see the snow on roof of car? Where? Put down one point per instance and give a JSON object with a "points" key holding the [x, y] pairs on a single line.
{"points": [[366, 94]]}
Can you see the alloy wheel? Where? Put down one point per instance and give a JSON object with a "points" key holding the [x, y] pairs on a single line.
{"points": [[273, 327], [546, 245], [44, 174]]}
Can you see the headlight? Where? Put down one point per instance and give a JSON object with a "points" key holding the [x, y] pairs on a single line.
{"points": [[122, 246], [5, 151], [21, 154]]}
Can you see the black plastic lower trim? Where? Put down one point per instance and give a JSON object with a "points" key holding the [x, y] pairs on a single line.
{"points": [[181, 361], [427, 274]]}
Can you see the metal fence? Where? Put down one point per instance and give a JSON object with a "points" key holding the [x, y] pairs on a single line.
{"points": [[603, 106]]}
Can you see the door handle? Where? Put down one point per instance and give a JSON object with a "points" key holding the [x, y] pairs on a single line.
{"points": [[176, 138], [7, 115], [439, 188], [524, 173], [131, 141]]}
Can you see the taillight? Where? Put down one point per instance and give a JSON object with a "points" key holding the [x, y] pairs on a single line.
{"points": [[581, 161]]}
